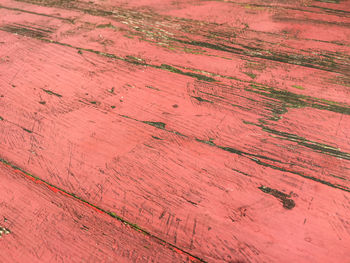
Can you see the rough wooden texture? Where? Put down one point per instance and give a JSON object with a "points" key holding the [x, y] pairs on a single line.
{"points": [[171, 131], [42, 224]]}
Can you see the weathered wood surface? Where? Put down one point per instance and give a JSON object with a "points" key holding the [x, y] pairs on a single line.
{"points": [[171, 131], [42, 224]]}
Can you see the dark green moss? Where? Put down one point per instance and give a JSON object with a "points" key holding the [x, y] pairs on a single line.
{"points": [[209, 45], [238, 171], [254, 158], [322, 61], [135, 61], [24, 31], [29, 131], [159, 125], [249, 74], [191, 74], [109, 25], [201, 99], [171, 69], [336, 186], [289, 99], [316, 146], [52, 93], [236, 151], [150, 87], [298, 87]]}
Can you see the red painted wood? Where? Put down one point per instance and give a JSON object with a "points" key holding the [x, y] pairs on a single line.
{"points": [[44, 225], [219, 128]]}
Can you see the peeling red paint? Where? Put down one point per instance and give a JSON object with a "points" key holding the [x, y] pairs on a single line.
{"points": [[217, 131]]}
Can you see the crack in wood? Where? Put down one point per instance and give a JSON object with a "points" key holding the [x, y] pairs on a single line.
{"points": [[134, 226], [36, 13], [124, 15], [316, 146]]}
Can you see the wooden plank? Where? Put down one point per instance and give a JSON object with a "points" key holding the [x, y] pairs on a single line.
{"points": [[40, 223], [206, 143]]}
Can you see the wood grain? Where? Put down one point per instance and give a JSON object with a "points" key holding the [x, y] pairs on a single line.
{"points": [[42, 224], [218, 129]]}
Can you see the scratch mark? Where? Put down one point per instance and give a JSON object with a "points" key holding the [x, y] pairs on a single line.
{"points": [[134, 226], [52, 93]]}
